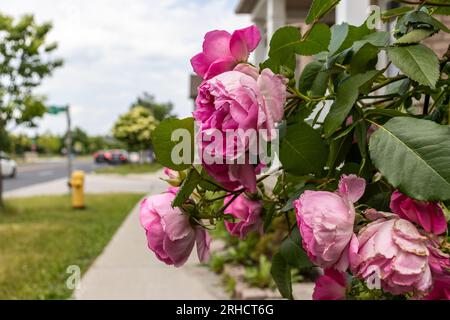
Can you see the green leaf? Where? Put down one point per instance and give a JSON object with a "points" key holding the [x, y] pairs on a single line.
{"points": [[320, 8], [281, 274], [186, 188], [314, 79], [302, 150], [415, 36], [338, 151], [379, 39], [392, 13], [287, 42], [414, 156], [316, 41], [292, 251], [343, 36], [420, 17], [346, 97], [418, 62], [163, 144], [364, 59], [282, 49]]}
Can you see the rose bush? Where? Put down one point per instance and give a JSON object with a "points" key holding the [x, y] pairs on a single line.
{"points": [[363, 158]]}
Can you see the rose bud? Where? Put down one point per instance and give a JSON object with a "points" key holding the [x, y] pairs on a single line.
{"points": [[248, 215], [170, 234]]}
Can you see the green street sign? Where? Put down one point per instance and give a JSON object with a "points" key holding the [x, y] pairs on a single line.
{"points": [[56, 109]]}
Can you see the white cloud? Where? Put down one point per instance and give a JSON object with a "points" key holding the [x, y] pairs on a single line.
{"points": [[115, 49]]}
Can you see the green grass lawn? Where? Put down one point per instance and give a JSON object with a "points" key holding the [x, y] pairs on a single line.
{"points": [[130, 169], [41, 236]]}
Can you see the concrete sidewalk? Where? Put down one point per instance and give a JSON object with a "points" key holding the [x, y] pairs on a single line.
{"points": [[128, 270]]}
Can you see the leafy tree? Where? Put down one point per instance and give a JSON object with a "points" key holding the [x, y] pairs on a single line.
{"points": [[135, 127], [159, 110], [49, 143], [80, 140], [20, 143], [25, 60]]}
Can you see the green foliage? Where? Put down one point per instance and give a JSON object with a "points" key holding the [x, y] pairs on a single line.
{"points": [[288, 41], [291, 255], [418, 62], [414, 155], [188, 186], [49, 143], [159, 110], [25, 61], [346, 97], [164, 144], [320, 8], [302, 151], [134, 128]]}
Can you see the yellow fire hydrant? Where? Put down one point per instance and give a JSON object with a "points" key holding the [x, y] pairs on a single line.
{"points": [[77, 185]]}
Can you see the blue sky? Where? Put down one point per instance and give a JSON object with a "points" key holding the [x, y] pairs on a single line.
{"points": [[116, 49]]}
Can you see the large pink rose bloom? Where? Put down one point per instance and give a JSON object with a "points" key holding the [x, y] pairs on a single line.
{"points": [[440, 291], [426, 214], [244, 100], [247, 212], [395, 252], [440, 269], [223, 51], [332, 285], [326, 219], [169, 233]]}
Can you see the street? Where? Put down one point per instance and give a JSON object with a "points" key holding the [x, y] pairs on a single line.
{"points": [[31, 174]]}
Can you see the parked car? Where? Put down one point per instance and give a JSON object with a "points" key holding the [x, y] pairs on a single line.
{"points": [[116, 156], [99, 156], [9, 166], [134, 157]]}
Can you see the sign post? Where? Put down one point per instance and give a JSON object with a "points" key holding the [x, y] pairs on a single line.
{"points": [[56, 109]]}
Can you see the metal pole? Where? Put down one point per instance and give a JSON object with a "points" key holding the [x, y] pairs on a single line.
{"points": [[69, 143]]}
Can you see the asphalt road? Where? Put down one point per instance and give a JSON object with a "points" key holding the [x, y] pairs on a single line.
{"points": [[30, 174]]}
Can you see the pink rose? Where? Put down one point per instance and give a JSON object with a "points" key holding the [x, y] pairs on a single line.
{"points": [[248, 214], [169, 233], [326, 219], [172, 174], [236, 101], [440, 291], [426, 214], [332, 285], [393, 251], [223, 51], [439, 262]]}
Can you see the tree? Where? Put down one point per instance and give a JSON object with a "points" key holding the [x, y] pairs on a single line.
{"points": [[25, 60], [160, 111], [49, 143], [135, 127]]}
